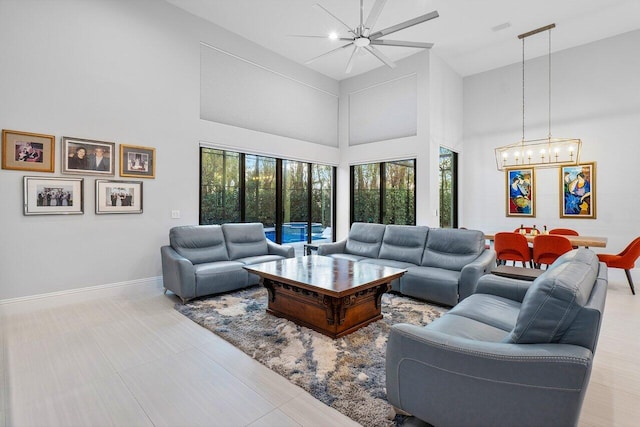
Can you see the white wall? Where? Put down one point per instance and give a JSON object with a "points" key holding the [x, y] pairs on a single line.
{"points": [[126, 72], [391, 149], [595, 97]]}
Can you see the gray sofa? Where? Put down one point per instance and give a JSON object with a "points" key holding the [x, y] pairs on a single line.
{"points": [[514, 353], [209, 259], [443, 265]]}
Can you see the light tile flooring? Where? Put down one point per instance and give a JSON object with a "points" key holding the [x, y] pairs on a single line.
{"points": [[124, 357]]}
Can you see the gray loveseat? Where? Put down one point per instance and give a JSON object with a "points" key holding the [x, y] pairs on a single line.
{"points": [[208, 259], [443, 265], [515, 353]]}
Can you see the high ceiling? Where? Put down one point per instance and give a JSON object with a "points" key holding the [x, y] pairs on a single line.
{"points": [[470, 35]]}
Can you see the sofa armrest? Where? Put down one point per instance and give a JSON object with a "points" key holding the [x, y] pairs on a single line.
{"points": [[332, 248], [282, 250], [472, 272], [499, 383], [178, 273], [513, 289]]}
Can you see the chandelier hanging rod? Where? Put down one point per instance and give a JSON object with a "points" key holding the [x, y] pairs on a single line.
{"points": [[536, 31]]}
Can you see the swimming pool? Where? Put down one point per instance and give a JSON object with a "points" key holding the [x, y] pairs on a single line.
{"points": [[293, 232]]}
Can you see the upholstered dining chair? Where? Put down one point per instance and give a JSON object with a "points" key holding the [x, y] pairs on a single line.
{"points": [[625, 260], [548, 247], [564, 232], [512, 247]]}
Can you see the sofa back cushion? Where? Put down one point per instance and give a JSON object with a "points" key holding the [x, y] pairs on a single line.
{"points": [[199, 243], [554, 300], [365, 239], [452, 248], [404, 243], [245, 240]]}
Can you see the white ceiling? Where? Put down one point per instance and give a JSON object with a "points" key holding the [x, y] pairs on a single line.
{"points": [[465, 34]]}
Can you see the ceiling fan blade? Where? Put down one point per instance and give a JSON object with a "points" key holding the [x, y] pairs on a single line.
{"points": [[402, 43], [328, 53], [344, 39], [381, 56], [350, 63], [375, 13], [318, 5], [405, 24]]}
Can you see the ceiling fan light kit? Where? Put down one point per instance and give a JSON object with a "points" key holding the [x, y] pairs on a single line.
{"points": [[361, 37]]}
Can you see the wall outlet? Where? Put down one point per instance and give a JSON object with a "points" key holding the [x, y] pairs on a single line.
{"points": [[175, 214]]}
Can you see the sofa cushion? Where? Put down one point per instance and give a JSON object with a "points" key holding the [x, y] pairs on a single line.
{"points": [[431, 284], [464, 327], [258, 259], [217, 277], [199, 243], [387, 262], [404, 243], [245, 240], [365, 239], [350, 257], [452, 248], [553, 301], [499, 312]]}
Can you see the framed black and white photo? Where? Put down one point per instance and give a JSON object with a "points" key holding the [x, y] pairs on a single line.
{"points": [[138, 162], [118, 197], [53, 196], [88, 157]]}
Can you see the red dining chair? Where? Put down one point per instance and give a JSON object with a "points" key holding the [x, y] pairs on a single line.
{"points": [[564, 232], [512, 247], [547, 248], [625, 260]]}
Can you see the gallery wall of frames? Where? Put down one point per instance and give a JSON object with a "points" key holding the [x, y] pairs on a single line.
{"points": [[60, 195]]}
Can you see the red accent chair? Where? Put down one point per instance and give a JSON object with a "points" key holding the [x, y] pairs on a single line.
{"points": [[512, 247], [564, 232], [625, 260], [547, 248]]}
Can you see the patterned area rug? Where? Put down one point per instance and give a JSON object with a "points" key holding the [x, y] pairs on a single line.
{"points": [[347, 374]]}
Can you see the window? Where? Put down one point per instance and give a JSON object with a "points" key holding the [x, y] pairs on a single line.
{"points": [[293, 200], [260, 190], [219, 191], [448, 188], [384, 192]]}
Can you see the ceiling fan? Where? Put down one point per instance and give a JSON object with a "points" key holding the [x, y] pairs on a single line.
{"points": [[362, 37]]}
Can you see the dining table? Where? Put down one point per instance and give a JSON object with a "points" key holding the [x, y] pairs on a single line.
{"points": [[585, 241]]}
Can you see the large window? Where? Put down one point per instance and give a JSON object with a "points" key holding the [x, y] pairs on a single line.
{"points": [[219, 186], [448, 188], [293, 200], [384, 192]]}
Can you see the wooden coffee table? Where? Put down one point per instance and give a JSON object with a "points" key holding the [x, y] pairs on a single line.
{"points": [[332, 296]]}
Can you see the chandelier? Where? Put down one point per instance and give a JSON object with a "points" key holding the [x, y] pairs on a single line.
{"points": [[545, 152]]}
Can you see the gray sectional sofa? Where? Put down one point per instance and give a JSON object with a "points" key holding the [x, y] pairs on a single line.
{"points": [[209, 259], [514, 353], [443, 265]]}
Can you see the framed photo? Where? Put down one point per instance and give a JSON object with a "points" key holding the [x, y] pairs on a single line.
{"points": [[87, 157], [578, 191], [137, 161], [118, 197], [27, 151], [53, 196], [520, 192]]}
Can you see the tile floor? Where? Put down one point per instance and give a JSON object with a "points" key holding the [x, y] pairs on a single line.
{"points": [[124, 357]]}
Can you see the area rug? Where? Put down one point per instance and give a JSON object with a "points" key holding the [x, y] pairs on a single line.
{"points": [[347, 374]]}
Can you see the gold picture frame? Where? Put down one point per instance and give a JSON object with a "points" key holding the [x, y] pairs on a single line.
{"points": [[26, 151], [520, 190], [578, 191], [137, 161]]}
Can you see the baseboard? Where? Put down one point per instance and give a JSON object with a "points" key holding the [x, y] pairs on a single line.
{"points": [[137, 282]]}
